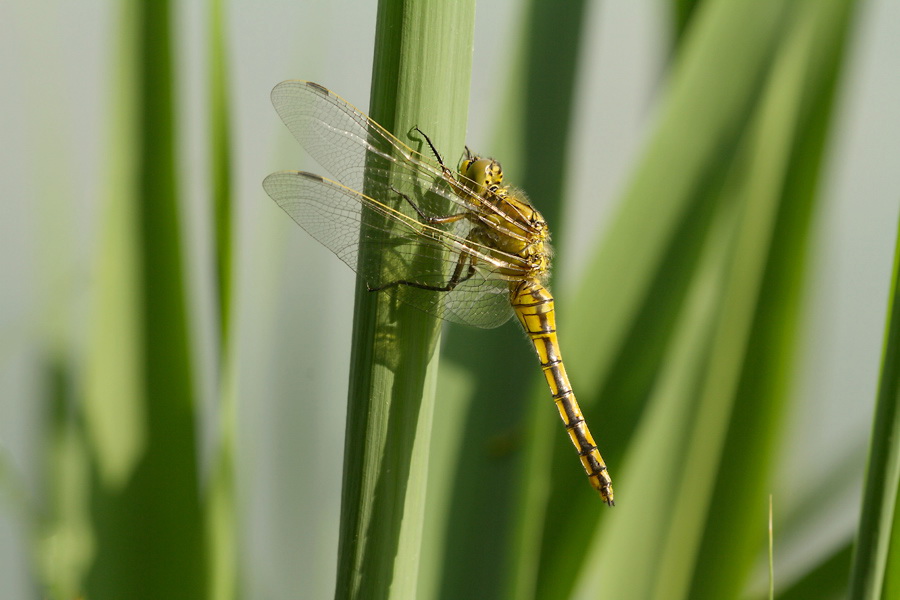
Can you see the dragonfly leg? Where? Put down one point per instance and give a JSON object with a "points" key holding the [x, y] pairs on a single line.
{"points": [[458, 186], [427, 219], [437, 155], [455, 279]]}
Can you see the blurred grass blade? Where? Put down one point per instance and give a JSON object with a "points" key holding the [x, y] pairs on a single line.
{"points": [[114, 370], [66, 546], [656, 460], [771, 160], [771, 553], [220, 498], [717, 494], [892, 569], [421, 77], [805, 77], [617, 328], [149, 527], [683, 11], [220, 151], [448, 445], [876, 566]]}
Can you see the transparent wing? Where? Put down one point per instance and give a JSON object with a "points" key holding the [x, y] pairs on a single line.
{"points": [[402, 248], [359, 152]]}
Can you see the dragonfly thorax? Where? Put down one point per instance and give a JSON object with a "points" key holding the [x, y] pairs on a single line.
{"points": [[512, 216], [521, 218], [517, 228]]}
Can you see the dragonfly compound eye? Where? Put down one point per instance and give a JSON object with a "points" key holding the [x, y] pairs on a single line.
{"points": [[485, 172]]}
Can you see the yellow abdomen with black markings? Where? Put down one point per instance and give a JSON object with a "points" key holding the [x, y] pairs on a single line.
{"points": [[535, 310], [518, 228]]}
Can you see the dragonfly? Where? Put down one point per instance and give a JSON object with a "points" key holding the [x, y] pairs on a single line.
{"points": [[386, 216]]}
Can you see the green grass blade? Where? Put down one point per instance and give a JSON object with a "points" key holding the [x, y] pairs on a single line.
{"points": [[892, 569], [221, 503], [765, 167], [874, 576], [547, 93], [683, 11], [149, 527], [659, 443], [665, 215], [617, 328], [220, 152], [816, 47], [421, 77], [448, 445], [771, 552], [65, 550]]}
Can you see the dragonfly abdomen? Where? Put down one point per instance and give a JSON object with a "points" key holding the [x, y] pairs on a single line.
{"points": [[535, 310]]}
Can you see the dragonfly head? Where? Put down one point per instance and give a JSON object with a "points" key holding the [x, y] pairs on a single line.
{"points": [[486, 173]]}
